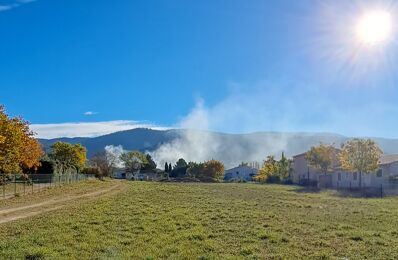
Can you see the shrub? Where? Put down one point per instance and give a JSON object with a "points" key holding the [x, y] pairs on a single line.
{"points": [[273, 179], [92, 171]]}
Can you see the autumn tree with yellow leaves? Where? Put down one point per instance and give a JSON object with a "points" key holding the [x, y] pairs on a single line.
{"points": [[321, 157], [360, 155], [268, 169], [19, 150], [68, 157]]}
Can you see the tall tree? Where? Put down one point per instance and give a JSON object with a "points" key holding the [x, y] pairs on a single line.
{"points": [[68, 157], [166, 167], [181, 163], [103, 163], [179, 169], [133, 161], [283, 167], [195, 170], [213, 169], [150, 163], [321, 157], [19, 150], [360, 155]]}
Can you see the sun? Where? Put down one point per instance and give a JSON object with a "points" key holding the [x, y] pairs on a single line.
{"points": [[374, 27]]}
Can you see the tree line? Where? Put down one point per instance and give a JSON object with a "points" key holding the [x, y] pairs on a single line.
{"points": [[275, 171], [211, 170], [356, 155], [20, 152]]}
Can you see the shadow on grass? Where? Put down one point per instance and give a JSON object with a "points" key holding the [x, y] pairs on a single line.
{"points": [[305, 189], [343, 193]]}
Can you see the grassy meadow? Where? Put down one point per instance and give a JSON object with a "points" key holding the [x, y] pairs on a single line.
{"points": [[209, 221]]}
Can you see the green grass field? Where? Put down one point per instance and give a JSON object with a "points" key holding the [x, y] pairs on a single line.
{"points": [[209, 221]]}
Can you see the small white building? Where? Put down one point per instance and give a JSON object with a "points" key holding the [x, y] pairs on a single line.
{"points": [[242, 172]]}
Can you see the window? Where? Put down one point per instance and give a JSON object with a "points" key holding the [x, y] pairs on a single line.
{"points": [[339, 176], [379, 173], [355, 176]]}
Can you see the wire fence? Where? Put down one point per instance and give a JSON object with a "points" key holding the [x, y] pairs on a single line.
{"points": [[18, 185]]}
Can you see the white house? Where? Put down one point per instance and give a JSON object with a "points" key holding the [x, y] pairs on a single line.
{"points": [[242, 172]]}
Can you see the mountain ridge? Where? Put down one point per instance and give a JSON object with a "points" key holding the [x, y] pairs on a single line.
{"points": [[230, 148]]}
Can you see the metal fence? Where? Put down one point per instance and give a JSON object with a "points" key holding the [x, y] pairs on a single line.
{"points": [[17, 185]]}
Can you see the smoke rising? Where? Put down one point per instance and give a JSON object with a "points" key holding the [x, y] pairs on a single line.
{"points": [[113, 154], [269, 107], [238, 112]]}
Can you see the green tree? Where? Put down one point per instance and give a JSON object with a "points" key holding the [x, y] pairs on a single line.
{"points": [[67, 157], [360, 155], [166, 167], [321, 157], [212, 170], [283, 167], [133, 161], [150, 163], [195, 169], [181, 163], [179, 169]]}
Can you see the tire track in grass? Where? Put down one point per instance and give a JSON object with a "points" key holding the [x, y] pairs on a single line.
{"points": [[16, 213]]}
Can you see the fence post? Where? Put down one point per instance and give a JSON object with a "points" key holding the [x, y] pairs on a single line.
{"points": [[24, 187], [15, 184], [4, 186]]}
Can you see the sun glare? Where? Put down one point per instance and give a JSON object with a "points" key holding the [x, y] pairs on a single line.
{"points": [[374, 27]]}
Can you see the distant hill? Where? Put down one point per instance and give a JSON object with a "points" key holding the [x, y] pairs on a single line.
{"points": [[230, 148], [141, 139]]}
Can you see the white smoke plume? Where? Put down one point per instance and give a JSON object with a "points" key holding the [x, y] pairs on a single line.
{"points": [[267, 106], [197, 143], [113, 154]]}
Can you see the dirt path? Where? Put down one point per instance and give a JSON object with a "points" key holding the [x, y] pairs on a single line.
{"points": [[11, 214]]}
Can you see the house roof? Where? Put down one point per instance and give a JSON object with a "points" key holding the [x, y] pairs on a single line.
{"points": [[388, 158], [298, 155], [240, 167]]}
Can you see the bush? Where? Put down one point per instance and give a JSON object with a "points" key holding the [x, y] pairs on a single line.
{"points": [[92, 171], [237, 180], [207, 179], [287, 182], [273, 179]]}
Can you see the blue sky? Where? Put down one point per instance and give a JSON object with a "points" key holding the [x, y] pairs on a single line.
{"points": [[234, 66]]}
